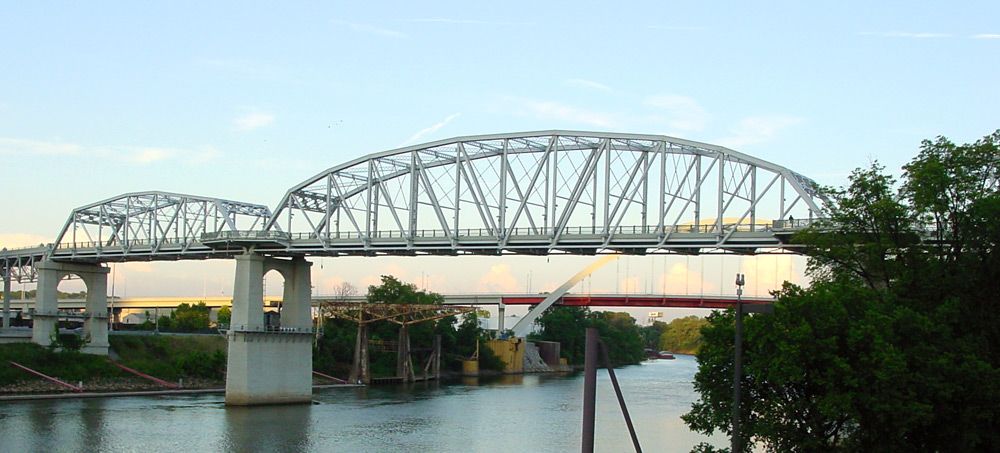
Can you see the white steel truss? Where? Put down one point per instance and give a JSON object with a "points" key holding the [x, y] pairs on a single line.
{"points": [[546, 192], [153, 224], [533, 193]]}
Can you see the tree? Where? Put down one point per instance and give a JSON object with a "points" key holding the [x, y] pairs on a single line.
{"points": [[224, 316], [568, 326], [189, 318], [651, 334], [682, 335], [894, 347], [393, 291]]}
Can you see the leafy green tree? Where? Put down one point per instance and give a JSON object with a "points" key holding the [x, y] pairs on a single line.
{"points": [[621, 335], [224, 316], [651, 334], [189, 318], [568, 326], [894, 345], [393, 291], [683, 335]]}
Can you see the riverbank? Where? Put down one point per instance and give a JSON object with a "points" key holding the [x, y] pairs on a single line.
{"points": [[187, 362], [128, 393]]}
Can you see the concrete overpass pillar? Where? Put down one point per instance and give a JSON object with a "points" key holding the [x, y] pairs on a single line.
{"points": [[96, 325], [248, 294], [270, 366], [46, 315]]}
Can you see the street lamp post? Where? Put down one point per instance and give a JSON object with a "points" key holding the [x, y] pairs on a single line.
{"points": [[737, 445]]}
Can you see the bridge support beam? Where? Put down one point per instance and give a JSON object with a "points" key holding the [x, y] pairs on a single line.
{"points": [[45, 319], [270, 365]]}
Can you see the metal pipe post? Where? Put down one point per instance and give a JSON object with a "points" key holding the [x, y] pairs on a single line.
{"points": [[737, 441], [589, 390], [621, 397]]}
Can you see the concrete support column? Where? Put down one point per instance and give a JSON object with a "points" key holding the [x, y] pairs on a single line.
{"points": [[96, 326], [45, 317], [296, 305], [500, 314], [248, 293], [359, 370], [404, 367], [6, 300], [269, 367]]}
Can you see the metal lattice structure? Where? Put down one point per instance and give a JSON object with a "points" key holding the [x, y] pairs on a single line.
{"points": [[547, 192], [153, 225], [19, 265], [532, 193], [401, 314]]}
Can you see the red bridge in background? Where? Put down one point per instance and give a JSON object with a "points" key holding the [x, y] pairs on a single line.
{"points": [[638, 300]]}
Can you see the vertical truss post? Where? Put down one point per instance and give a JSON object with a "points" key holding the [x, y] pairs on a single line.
{"points": [[502, 198], [722, 191]]}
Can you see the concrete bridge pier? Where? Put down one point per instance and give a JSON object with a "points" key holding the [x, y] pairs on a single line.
{"points": [[270, 365], [46, 315]]}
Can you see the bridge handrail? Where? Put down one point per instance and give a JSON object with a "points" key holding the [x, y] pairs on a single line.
{"points": [[769, 226], [271, 329], [245, 234], [568, 231], [19, 250]]}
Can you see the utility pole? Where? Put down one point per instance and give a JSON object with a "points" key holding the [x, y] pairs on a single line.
{"points": [[737, 445]]}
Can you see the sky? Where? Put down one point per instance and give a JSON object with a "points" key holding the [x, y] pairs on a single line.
{"points": [[243, 100]]}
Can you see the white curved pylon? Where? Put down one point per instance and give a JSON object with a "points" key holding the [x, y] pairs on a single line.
{"points": [[524, 325]]}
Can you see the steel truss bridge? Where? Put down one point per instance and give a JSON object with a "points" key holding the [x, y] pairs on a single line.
{"points": [[535, 193]]}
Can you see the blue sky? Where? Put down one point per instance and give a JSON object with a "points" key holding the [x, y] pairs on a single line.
{"points": [[242, 100]]}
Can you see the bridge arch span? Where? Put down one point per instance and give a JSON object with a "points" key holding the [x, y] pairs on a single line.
{"points": [[581, 192]]}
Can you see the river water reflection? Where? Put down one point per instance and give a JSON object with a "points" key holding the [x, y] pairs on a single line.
{"points": [[512, 413]]}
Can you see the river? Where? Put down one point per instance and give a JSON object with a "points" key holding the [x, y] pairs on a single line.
{"points": [[536, 413]]}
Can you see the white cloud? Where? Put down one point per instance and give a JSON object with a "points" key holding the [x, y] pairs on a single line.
{"points": [[253, 120], [149, 155], [549, 110], [987, 36], [675, 27], [431, 129], [18, 240], [498, 280], [141, 155], [684, 113], [444, 20], [371, 29], [18, 146], [589, 84], [905, 34], [757, 129]]}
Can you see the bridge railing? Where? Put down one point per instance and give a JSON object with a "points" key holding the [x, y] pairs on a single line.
{"points": [[120, 244], [246, 234], [568, 231], [280, 236], [271, 329]]}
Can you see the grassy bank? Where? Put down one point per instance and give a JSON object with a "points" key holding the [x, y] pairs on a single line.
{"points": [[173, 357], [198, 360]]}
